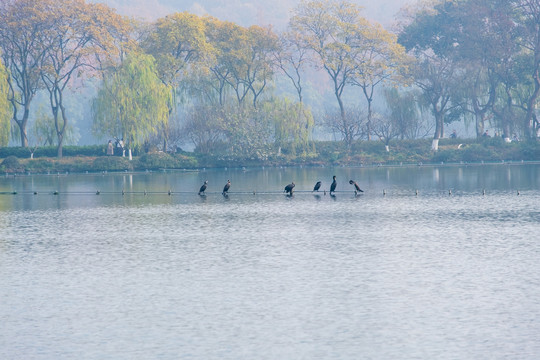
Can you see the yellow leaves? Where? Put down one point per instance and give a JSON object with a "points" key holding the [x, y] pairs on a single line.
{"points": [[346, 44], [177, 41]]}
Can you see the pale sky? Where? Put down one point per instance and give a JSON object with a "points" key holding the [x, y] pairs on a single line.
{"points": [[246, 12]]}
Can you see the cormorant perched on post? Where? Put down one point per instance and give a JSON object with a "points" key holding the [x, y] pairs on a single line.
{"points": [[317, 186], [356, 187], [333, 186], [226, 187], [289, 188], [203, 187]]}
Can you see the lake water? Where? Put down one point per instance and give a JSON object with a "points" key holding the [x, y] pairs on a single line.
{"points": [[445, 265]]}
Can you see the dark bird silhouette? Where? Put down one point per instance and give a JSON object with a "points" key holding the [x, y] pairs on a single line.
{"points": [[289, 188], [226, 187], [356, 187], [317, 186], [333, 186], [203, 187]]}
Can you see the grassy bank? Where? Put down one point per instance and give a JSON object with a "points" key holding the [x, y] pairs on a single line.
{"points": [[362, 153]]}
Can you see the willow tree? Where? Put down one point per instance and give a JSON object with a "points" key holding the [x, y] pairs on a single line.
{"points": [[5, 107], [293, 124], [133, 102]]}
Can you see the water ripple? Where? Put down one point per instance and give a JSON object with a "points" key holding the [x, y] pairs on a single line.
{"points": [[266, 277]]}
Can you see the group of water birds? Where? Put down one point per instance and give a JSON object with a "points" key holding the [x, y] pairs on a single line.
{"points": [[289, 188], [225, 188]]}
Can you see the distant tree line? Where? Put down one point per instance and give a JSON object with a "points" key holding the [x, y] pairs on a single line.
{"points": [[213, 83], [477, 60]]}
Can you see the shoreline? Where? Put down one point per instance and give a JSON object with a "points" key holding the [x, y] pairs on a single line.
{"points": [[266, 167], [362, 154]]}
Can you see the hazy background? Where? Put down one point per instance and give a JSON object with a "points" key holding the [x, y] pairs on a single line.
{"points": [[245, 12]]}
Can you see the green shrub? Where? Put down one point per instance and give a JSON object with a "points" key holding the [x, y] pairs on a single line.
{"points": [[156, 160], [477, 152], [111, 163], [17, 151], [530, 150], [89, 150], [185, 161], [447, 156], [372, 147], [40, 165], [11, 163], [52, 151]]}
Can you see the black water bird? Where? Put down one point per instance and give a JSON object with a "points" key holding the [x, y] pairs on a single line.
{"points": [[333, 186], [356, 187], [289, 188], [226, 187], [203, 187], [317, 186]]}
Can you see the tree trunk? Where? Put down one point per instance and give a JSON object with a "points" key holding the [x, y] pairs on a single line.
{"points": [[439, 131], [479, 126], [509, 115], [346, 131], [527, 125], [369, 98], [60, 130], [368, 126], [22, 126], [59, 147]]}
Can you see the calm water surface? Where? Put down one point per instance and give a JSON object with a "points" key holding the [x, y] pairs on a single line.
{"points": [[265, 276]]}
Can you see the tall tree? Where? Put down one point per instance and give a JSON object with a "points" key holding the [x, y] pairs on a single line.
{"points": [[78, 36], [259, 68], [133, 102], [227, 40], [483, 35], [428, 39], [384, 61], [510, 92], [178, 43], [291, 58], [243, 65], [337, 35], [22, 52], [5, 107], [528, 18]]}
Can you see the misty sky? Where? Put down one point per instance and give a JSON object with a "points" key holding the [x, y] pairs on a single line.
{"points": [[246, 12]]}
